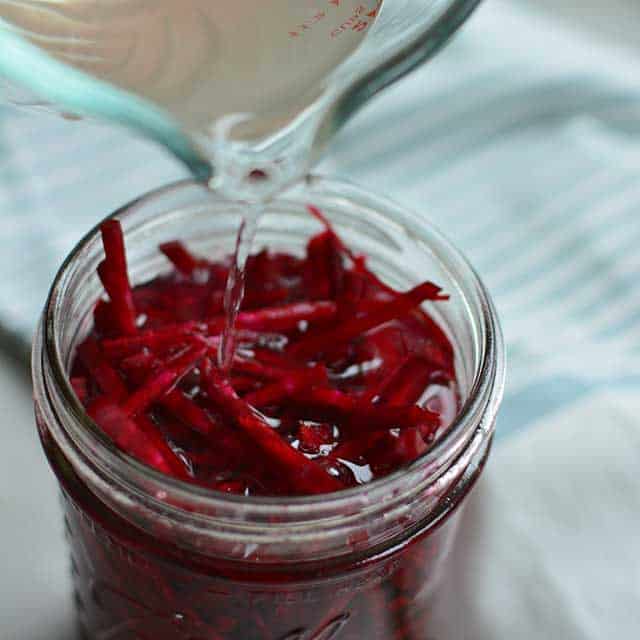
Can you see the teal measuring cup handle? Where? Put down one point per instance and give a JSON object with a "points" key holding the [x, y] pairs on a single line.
{"points": [[25, 65]]}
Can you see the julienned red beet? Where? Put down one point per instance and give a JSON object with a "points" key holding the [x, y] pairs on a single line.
{"points": [[335, 371]]}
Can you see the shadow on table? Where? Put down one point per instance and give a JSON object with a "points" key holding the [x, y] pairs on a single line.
{"points": [[58, 632], [458, 614]]}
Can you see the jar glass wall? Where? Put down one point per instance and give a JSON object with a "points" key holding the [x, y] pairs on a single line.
{"points": [[155, 558]]}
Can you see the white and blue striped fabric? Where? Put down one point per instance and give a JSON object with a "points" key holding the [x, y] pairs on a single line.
{"points": [[520, 141]]}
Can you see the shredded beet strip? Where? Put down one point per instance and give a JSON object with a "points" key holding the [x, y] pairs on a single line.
{"points": [[190, 413], [430, 326], [400, 306], [166, 336], [163, 381], [139, 438], [146, 445], [316, 272], [172, 335], [325, 267], [318, 215], [326, 403], [115, 279], [80, 388], [136, 368], [258, 370], [351, 296], [403, 387], [174, 462], [305, 473], [287, 317], [375, 391], [351, 449], [224, 440], [289, 385], [244, 384], [407, 383], [280, 319], [140, 361], [277, 361], [180, 257], [407, 386], [101, 371], [385, 416]]}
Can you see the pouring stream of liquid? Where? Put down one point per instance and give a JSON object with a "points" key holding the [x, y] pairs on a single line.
{"points": [[234, 292]]}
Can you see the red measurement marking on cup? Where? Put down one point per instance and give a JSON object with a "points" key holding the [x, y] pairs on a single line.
{"points": [[358, 21], [373, 13], [307, 24]]}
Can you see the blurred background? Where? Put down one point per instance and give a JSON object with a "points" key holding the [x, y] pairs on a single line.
{"points": [[522, 142], [612, 20]]}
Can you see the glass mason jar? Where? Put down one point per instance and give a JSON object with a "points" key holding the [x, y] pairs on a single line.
{"points": [[154, 558]]}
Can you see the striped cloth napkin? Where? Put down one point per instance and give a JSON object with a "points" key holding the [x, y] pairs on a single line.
{"points": [[521, 141]]}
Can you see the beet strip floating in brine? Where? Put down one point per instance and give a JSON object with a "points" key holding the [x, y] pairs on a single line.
{"points": [[334, 369], [115, 279]]}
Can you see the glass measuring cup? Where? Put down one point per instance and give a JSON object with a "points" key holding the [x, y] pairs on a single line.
{"points": [[281, 142]]}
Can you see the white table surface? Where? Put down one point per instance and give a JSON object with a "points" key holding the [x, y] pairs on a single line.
{"points": [[34, 569], [612, 21]]}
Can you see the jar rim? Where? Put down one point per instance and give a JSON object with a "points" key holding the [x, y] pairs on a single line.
{"points": [[477, 412]]}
